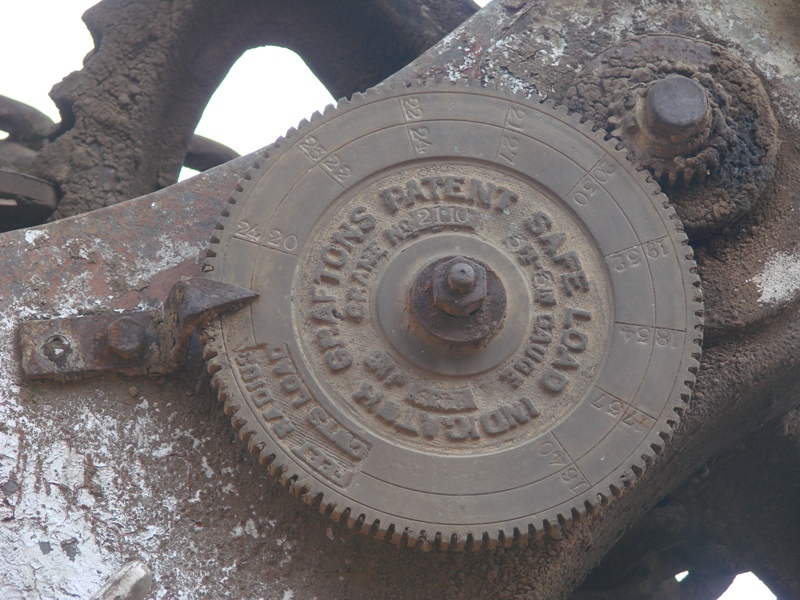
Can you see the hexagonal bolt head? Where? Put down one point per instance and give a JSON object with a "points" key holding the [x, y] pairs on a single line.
{"points": [[676, 108], [125, 338], [459, 287]]}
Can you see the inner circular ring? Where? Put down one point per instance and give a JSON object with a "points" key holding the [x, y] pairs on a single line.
{"points": [[407, 343]]}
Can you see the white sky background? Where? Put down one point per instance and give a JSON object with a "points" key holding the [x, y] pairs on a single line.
{"points": [[267, 91]]}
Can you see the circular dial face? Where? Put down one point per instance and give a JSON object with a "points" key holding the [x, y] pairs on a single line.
{"points": [[475, 316]]}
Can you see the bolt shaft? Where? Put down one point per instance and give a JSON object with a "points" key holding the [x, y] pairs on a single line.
{"points": [[676, 108], [461, 278]]}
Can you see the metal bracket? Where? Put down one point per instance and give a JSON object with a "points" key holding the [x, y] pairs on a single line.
{"points": [[151, 342]]}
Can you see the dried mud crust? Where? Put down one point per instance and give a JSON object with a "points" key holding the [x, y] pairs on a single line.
{"points": [[727, 174], [449, 453]]}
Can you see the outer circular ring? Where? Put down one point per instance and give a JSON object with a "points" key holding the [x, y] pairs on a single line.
{"points": [[460, 501]]}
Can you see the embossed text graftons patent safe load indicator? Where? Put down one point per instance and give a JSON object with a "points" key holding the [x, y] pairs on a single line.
{"points": [[474, 315]]}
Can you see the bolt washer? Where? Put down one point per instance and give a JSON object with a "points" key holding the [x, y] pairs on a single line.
{"points": [[361, 412]]}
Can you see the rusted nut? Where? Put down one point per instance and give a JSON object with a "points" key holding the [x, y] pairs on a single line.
{"points": [[459, 287], [458, 300], [125, 338], [676, 114]]}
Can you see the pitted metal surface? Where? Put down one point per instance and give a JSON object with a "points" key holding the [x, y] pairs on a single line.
{"points": [[332, 380], [101, 470]]}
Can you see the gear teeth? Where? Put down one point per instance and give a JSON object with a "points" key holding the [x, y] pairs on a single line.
{"points": [[373, 529], [378, 532], [408, 539], [672, 178], [300, 486], [246, 434], [503, 540], [214, 368], [658, 437], [386, 534], [457, 543], [521, 533], [621, 124], [326, 509], [552, 530], [313, 500], [577, 514], [357, 523], [340, 516], [562, 108]]}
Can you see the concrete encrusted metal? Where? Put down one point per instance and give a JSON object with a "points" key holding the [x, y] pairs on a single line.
{"points": [[129, 114], [717, 175], [779, 281], [240, 537]]}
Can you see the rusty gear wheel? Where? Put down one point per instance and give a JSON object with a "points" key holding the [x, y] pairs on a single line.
{"points": [[674, 160], [476, 318], [714, 170]]}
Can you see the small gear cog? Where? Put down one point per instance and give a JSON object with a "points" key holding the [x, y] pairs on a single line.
{"points": [[673, 126], [690, 112]]}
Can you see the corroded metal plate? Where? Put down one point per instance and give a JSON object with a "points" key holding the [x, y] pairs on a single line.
{"points": [[332, 380]]}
